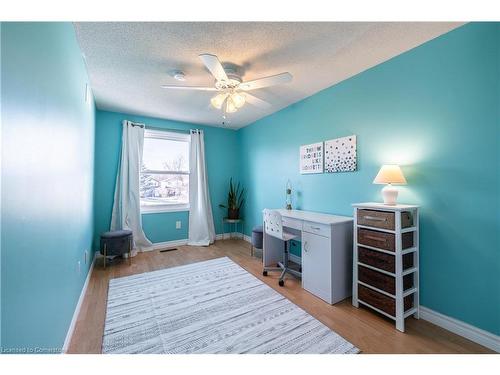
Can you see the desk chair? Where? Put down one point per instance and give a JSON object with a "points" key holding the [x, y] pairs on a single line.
{"points": [[273, 226]]}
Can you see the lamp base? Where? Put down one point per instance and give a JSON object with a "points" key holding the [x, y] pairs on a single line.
{"points": [[390, 195]]}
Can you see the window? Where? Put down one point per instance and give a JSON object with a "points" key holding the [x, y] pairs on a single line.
{"points": [[164, 176]]}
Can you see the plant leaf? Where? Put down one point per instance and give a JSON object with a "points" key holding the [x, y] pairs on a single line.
{"points": [[235, 195]]}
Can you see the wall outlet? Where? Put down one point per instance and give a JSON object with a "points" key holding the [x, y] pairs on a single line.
{"points": [[177, 225], [85, 256], [79, 268]]}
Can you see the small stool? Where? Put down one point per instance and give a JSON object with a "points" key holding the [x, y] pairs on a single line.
{"points": [[115, 243], [256, 238]]}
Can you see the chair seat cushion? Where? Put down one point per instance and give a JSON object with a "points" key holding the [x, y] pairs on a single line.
{"points": [[116, 234], [287, 236]]}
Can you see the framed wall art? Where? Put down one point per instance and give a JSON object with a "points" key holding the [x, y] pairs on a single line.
{"points": [[340, 154], [311, 158]]}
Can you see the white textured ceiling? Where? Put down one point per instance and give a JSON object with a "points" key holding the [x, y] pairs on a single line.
{"points": [[128, 61]]}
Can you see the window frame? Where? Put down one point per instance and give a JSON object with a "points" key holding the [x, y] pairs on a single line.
{"points": [[169, 136]]}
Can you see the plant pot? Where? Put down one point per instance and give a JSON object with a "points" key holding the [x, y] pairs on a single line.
{"points": [[233, 213]]}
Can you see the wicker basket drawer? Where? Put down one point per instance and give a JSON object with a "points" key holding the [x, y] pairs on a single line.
{"points": [[386, 262], [382, 281], [383, 240], [381, 301], [383, 219], [376, 219]]}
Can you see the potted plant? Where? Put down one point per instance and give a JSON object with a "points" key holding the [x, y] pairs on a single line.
{"points": [[235, 200]]}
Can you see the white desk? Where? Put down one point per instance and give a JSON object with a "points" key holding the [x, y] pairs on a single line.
{"points": [[326, 252]]}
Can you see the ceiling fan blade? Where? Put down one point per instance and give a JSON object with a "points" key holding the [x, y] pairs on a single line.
{"points": [[256, 101], [259, 83], [200, 88], [214, 66]]}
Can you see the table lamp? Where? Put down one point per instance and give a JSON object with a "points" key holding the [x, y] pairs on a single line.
{"points": [[390, 174]]}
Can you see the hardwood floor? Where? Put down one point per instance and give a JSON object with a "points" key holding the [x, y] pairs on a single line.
{"points": [[370, 332]]}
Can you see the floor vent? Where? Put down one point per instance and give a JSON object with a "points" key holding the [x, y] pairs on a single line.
{"points": [[165, 250]]}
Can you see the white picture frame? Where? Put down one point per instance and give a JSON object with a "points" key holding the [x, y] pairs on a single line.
{"points": [[341, 155], [311, 158]]}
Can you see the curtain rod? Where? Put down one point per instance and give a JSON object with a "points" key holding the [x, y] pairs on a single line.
{"points": [[161, 129]]}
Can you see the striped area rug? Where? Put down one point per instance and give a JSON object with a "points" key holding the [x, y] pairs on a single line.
{"points": [[209, 307]]}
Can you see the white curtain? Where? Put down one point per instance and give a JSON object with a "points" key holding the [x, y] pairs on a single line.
{"points": [[201, 221], [127, 205]]}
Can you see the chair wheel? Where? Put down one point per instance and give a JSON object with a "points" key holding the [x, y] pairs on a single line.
{"points": [[264, 273], [281, 283]]}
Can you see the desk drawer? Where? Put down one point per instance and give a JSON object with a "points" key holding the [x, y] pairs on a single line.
{"points": [[321, 229], [291, 223]]}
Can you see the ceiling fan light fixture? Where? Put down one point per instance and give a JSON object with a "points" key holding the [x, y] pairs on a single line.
{"points": [[230, 105], [218, 100], [238, 99], [232, 91]]}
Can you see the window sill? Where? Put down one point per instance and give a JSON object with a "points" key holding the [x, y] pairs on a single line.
{"points": [[164, 209]]}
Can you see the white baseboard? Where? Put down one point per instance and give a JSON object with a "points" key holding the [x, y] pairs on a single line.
{"points": [[168, 244], [234, 235], [72, 325], [460, 328]]}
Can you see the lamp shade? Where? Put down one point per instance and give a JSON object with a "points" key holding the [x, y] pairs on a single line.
{"points": [[390, 174]]}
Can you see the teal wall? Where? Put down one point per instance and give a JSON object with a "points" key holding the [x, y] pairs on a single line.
{"points": [[47, 180], [222, 158], [435, 111]]}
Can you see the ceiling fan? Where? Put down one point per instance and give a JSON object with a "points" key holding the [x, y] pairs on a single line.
{"points": [[232, 91]]}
